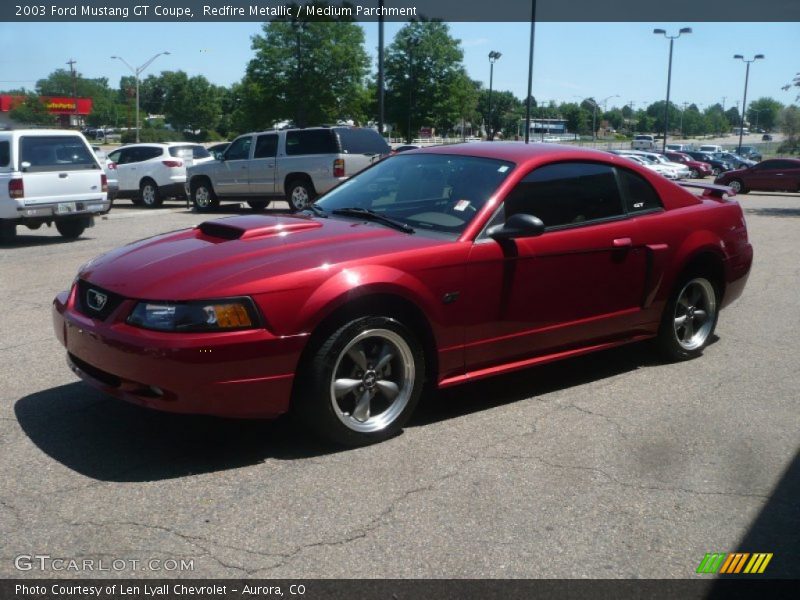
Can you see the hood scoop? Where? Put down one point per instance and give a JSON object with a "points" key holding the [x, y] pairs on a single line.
{"points": [[255, 226]]}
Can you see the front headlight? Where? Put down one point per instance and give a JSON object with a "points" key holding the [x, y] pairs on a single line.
{"points": [[198, 316]]}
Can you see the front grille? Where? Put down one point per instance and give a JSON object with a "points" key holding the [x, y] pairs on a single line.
{"points": [[94, 372], [95, 302]]}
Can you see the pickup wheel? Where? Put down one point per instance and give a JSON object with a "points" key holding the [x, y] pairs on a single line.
{"points": [[149, 193], [299, 194], [258, 205], [8, 231], [203, 197], [71, 229]]}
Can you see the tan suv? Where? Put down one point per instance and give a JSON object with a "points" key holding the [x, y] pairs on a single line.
{"points": [[292, 164]]}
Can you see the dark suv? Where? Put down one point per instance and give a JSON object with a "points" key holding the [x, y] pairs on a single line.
{"points": [[295, 164]]}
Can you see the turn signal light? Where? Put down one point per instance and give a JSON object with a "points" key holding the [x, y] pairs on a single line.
{"points": [[16, 188], [338, 167], [172, 163]]}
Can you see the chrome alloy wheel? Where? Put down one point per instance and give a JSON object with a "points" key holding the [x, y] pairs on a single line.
{"points": [[735, 185], [300, 198], [202, 197], [372, 381], [148, 194], [695, 313]]}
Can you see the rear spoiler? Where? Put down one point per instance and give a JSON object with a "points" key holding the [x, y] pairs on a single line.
{"points": [[710, 190]]}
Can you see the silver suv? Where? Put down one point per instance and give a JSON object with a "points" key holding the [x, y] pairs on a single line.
{"points": [[292, 164]]}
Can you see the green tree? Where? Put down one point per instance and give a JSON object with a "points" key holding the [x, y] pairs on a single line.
{"points": [[716, 121], [190, 103], [60, 83], [733, 116], [790, 126], [422, 66], [656, 112], [764, 113], [506, 111], [578, 119], [311, 72], [31, 111]]}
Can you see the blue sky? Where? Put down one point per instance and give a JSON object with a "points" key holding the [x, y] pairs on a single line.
{"points": [[571, 59]]}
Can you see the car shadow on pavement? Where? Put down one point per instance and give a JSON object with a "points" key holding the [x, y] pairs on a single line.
{"points": [[28, 241], [773, 212], [535, 381], [776, 530], [111, 440]]}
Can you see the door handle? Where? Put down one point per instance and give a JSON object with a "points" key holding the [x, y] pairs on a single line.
{"points": [[63, 175], [625, 242]]}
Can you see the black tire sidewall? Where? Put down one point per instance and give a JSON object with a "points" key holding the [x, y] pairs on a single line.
{"points": [[311, 398], [258, 205], [70, 230]]}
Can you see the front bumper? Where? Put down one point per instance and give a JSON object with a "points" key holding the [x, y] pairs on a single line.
{"points": [[230, 374]]}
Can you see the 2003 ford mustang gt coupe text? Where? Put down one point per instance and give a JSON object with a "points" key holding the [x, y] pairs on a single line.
{"points": [[435, 266]]}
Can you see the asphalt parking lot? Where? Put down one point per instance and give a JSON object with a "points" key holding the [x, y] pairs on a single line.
{"points": [[609, 465]]}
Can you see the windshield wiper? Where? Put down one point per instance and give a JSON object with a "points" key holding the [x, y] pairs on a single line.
{"points": [[371, 215], [317, 210]]}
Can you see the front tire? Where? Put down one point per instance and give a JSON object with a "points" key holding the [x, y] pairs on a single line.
{"points": [[737, 186], [300, 194], [203, 197], [693, 174], [72, 229], [716, 171], [689, 319], [258, 205], [361, 384], [150, 194]]}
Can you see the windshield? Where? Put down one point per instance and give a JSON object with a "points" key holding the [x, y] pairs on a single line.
{"points": [[434, 192]]}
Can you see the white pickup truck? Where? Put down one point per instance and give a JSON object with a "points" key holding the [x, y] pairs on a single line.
{"points": [[643, 142], [49, 176]]}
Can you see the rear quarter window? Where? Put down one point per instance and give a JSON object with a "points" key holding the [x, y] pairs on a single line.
{"points": [[5, 153], [197, 151], [637, 194], [311, 141], [362, 141], [56, 153]]}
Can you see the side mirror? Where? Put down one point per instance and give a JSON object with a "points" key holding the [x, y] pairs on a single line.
{"points": [[24, 165], [517, 226], [219, 155]]}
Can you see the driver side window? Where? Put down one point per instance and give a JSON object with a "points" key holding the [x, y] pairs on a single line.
{"points": [[239, 149], [567, 194]]}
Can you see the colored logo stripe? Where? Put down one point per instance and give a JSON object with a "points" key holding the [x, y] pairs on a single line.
{"points": [[734, 562]]}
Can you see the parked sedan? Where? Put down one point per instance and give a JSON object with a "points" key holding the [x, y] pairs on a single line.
{"points": [[427, 270], [717, 166], [749, 152], [697, 169], [774, 175], [651, 164]]}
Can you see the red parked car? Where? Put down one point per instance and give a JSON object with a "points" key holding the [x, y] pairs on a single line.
{"points": [[441, 265], [697, 169], [774, 175]]}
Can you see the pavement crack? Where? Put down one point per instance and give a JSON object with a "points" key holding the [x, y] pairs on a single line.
{"points": [[586, 411]]}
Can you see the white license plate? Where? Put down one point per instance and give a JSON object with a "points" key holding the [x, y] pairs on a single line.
{"points": [[65, 208]]}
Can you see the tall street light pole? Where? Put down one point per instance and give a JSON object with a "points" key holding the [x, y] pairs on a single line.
{"points": [[671, 39], [744, 99], [380, 68], [136, 72], [493, 57], [530, 74]]}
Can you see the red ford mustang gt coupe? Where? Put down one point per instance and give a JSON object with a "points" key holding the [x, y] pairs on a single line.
{"points": [[437, 266]]}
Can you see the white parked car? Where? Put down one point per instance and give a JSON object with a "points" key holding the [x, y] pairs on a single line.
{"points": [[149, 172], [682, 169], [667, 172], [49, 176]]}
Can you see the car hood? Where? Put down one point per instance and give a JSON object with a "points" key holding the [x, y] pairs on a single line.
{"points": [[246, 255]]}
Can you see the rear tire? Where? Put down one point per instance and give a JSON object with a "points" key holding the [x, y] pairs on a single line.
{"points": [[258, 205], [8, 232], [203, 197], [299, 194], [361, 383], [150, 194], [689, 318], [693, 174], [71, 229]]}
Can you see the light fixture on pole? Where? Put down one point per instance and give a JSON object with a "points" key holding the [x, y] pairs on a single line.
{"points": [[671, 39], [136, 72], [744, 99], [493, 57]]}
